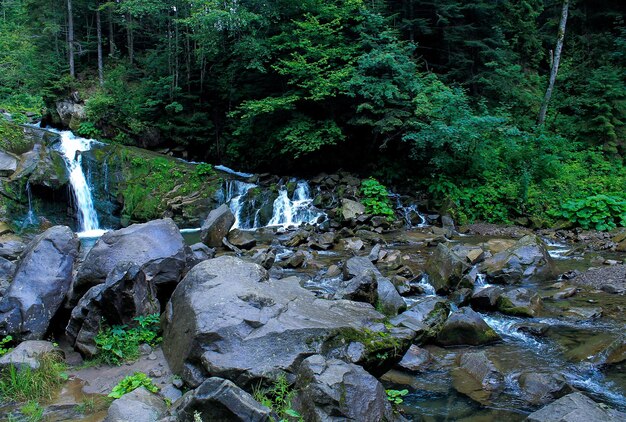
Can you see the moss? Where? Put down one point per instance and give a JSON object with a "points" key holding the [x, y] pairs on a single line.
{"points": [[12, 138], [505, 306]]}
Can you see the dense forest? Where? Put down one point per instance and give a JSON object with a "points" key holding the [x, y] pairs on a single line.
{"points": [[506, 111]]}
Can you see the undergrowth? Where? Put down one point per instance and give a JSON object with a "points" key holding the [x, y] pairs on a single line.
{"points": [[120, 343], [278, 398], [26, 384]]}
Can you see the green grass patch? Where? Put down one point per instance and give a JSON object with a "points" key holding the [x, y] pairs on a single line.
{"points": [[21, 385], [278, 397]]}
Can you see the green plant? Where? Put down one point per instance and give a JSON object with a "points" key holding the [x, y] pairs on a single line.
{"points": [[196, 416], [204, 169], [599, 212], [376, 198], [278, 398], [88, 130], [33, 384], [33, 411], [120, 343], [3, 349], [132, 382], [87, 405], [395, 396]]}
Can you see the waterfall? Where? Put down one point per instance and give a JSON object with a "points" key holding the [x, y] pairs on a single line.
{"points": [[428, 288], [300, 210], [234, 192], [71, 147], [30, 216], [409, 213]]}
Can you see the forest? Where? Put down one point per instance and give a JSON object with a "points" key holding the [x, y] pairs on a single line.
{"points": [[503, 111]]}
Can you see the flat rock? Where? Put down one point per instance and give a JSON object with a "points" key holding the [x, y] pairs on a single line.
{"points": [[576, 407], [477, 377], [139, 405]]}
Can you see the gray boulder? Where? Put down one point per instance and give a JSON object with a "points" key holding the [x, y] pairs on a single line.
{"points": [[445, 268], [351, 209], [8, 163], [362, 288], [125, 294], [157, 247], [466, 327], [519, 302], [477, 377], [7, 269], [11, 249], [139, 405], [576, 407], [216, 226], [388, 297], [41, 281], [486, 298], [332, 390], [241, 239], [217, 399], [27, 353], [541, 389], [527, 258], [426, 318], [226, 319], [416, 359]]}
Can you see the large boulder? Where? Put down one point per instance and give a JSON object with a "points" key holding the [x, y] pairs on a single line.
{"points": [[41, 281], [477, 377], [351, 209], [216, 226], [71, 112], [27, 354], [527, 258], [389, 299], [157, 247], [7, 269], [519, 302], [125, 295], [8, 163], [330, 390], [576, 407], [217, 399], [139, 405], [445, 268], [466, 327], [426, 318], [362, 288], [541, 388], [227, 319]]}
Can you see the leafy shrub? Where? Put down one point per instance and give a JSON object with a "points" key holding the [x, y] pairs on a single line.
{"points": [[88, 130], [3, 345], [376, 198], [395, 396], [120, 343], [599, 212], [204, 169], [28, 384], [278, 398], [133, 382]]}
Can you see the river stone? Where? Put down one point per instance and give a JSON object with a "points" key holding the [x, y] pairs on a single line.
{"points": [[8, 163], [362, 288], [26, 354], [11, 249], [216, 226], [71, 113], [323, 241], [351, 209], [425, 318], [416, 359], [388, 297], [477, 377], [41, 281], [576, 407], [519, 302], [201, 252], [157, 247], [241, 239], [330, 390], [217, 399], [7, 269], [466, 327], [527, 258], [486, 298], [125, 295], [541, 389], [139, 405], [225, 319], [445, 268]]}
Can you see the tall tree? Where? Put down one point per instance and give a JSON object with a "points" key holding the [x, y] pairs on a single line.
{"points": [[70, 38], [99, 35]]}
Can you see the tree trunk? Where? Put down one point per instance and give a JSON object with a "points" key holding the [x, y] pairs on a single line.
{"points": [[99, 34], [555, 64], [111, 37], [70, 37], [129, 37]]}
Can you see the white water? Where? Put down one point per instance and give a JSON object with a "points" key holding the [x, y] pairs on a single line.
{"points": [[508, 327], [30, 217], [71, 147], [288, 212], [408, 212], [428, 288], [234, 192], [231, 171]]}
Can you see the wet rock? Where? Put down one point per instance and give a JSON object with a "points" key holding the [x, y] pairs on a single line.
{"points": [[157, 247], [362, 288], [241, 239], [374, 253], [225, 319], [11, 249], [71, 112], [537, 329], [470, 253], [415, 359], [296, 239], [609, 279], [425, 318], [466, 327], [477, 377], [139, 405], [8, 163], [527, 258], [565, 293], [322, 242], [485, 299], [201, 252], [217, 399], [27, 353], [125, 295], [576, 407], [540, 388], [519, 302], [265, 258], [351, 209], [41, 282], [171, 393], [390, 300], [445, 268], [336, 390], [296, 260], [584, 314], [353, 244], [7, 269], [216, 226], [333, 271], [461, 297]]}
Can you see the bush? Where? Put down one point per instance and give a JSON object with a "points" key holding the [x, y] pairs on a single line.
{"points": [[599, 212], [278, 398], [120, 343], [376, 198], [133, 382]]}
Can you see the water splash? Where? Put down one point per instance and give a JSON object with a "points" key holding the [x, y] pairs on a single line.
{"points": [[409, 213], [508, 328], [428, 288], [30, 219], [300, 210]]}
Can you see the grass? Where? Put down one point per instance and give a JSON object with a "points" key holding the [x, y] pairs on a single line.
{"points": [[278, 398], [33, 385]]}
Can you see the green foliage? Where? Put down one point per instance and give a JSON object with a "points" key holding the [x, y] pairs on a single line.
{"points": [[395, 396], [88, 130], [599, 212], [133, 382], [4, 349], [204, 169], [33, 411], [376, 198], [120, 343], [27, 384], [278, 398]]}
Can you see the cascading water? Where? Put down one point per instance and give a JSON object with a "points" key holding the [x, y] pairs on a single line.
{"points": [[71, 147], [30, 216], [412, 217], [287, 212]]}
